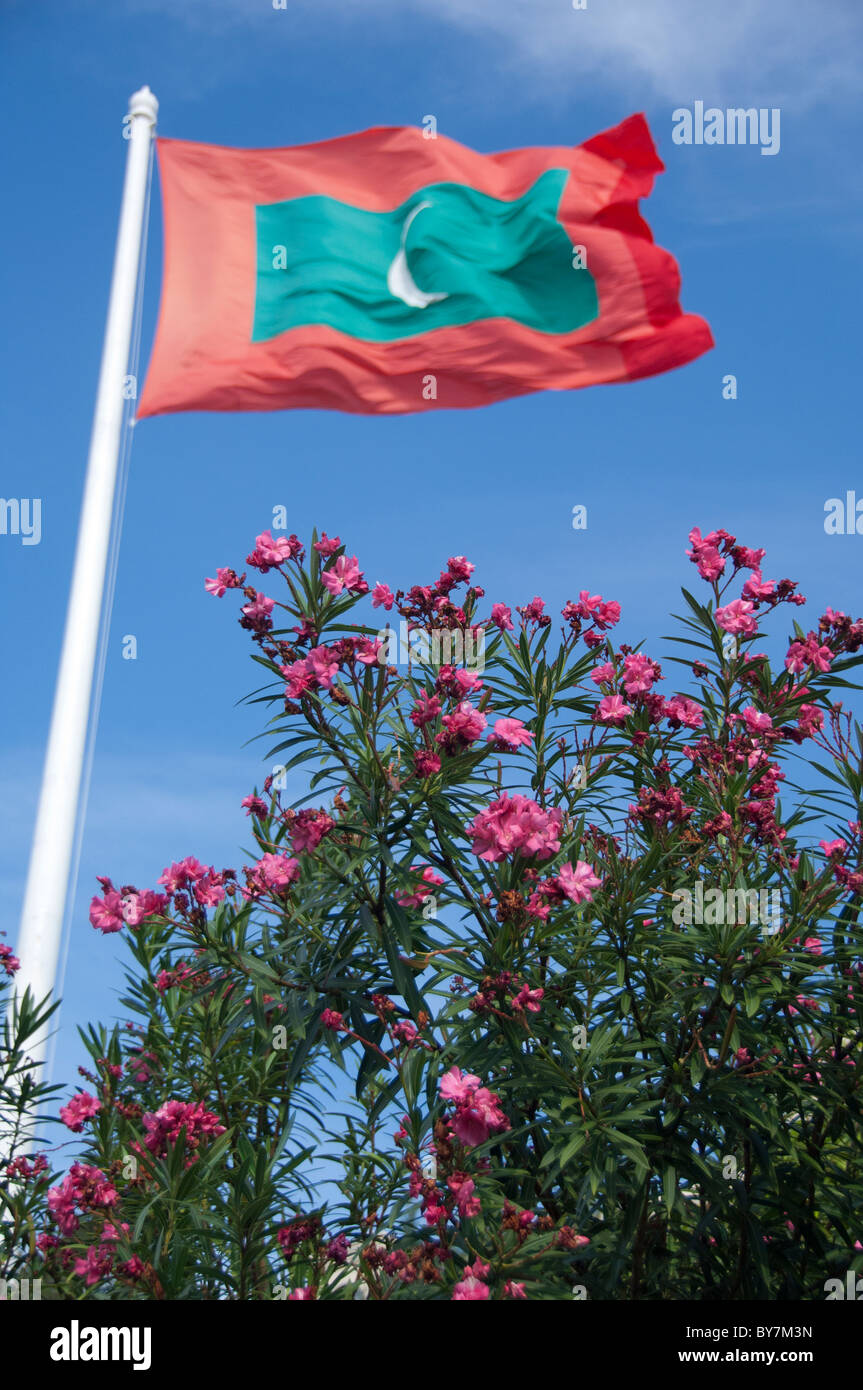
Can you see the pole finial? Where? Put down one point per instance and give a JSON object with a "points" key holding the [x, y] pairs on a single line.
{"points": [[143, 103]]}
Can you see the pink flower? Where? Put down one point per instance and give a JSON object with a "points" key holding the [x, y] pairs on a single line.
{"points": [[512, 1289], [273, 552], [748, 559], [405, 1032], [254, 805], [83, 1186], [338, 1250], [323, 665], [137, 907], [579, 883], [427, 708], [259, 610], [810, 720], [164, 1125], [382, 597], [344, 574], [513, 825], [95, 1265], [62, 1207], [464, 1188], [757, 588], [106, 914], [833, 847], [326, 547], [808, 653], [277, 870], [569, 1240], [417, 898], [509, 733], [501, 617], [736, 616], [299, 677], [178, 876], [638, 674], [332, 1020], [460, 568], [472, 1287], [366, 651], [805, 1004], [226, 579], [466, 682], [705, 554], [813, 945], [594, 608], [79, 1109], [603, 674], [470, 1290], [478, 1117], [464, 726], [756, 721], [457, 1087], [820, 656], [613, 709], [426, 763], [533, 611], [607, 614], [10, 962], [308, 828], [111, 1234], [684, 711], [529, 999], [209, 891]]}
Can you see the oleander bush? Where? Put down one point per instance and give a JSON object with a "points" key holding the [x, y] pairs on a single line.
{"points": [[549, 985]]}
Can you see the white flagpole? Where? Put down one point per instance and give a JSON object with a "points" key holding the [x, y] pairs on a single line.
{"points": [[51, 857]]}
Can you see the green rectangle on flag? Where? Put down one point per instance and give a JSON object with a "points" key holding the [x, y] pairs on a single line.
{"points": [[448, 256]]}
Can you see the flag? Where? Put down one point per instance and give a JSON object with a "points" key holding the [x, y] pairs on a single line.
{"points": [[387, 272]]}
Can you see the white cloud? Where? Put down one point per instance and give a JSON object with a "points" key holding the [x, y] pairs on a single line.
{"points": [[757, 52], [682, 49]]}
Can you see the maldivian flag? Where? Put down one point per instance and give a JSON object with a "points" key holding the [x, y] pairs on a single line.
{"points": [[387, 272]]}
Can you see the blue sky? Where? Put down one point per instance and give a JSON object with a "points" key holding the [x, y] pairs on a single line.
{"points": [[769, 253]]}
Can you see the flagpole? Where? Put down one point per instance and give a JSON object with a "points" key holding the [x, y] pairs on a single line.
{"points": [[52, 853]]}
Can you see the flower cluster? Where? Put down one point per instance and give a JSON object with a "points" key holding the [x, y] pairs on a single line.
{"points": [[460, 781], [477, 1110], [8, 960], [165, 1125], [118, 907], [83, 1189], [516, 825], [80, 1108]]}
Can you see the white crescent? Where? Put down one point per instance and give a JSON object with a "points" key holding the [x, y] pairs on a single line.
{"points": [[400, 282]]}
